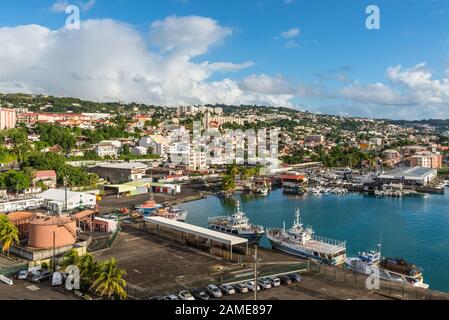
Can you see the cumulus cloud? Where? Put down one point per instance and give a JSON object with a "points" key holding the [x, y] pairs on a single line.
{"points": [[112, 61], [289, 34]]}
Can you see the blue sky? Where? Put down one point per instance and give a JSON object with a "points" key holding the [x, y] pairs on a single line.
{"points": [[310, 54]]}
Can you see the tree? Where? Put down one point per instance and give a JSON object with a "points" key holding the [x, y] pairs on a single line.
{"points": [[9, 234], [109, 280], [16, 180], [228, 183], [71, 258], [88, 268]]}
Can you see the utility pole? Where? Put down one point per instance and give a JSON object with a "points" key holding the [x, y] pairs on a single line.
{"points": [[54, 251], [65, 188], [255, 273]]}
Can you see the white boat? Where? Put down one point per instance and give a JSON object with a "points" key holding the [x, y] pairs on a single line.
{"points": [[390, 269], [302, 242]]}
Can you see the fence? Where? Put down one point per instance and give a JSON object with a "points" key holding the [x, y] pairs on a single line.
{"points": [[386, 288], [12, 270]]}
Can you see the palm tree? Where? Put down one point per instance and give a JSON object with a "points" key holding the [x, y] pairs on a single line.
{"points": [[8, 235], [71, 258], [109, 280], [87, 267]]}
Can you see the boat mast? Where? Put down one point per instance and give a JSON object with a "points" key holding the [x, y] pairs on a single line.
{"points": [[297, 217]]}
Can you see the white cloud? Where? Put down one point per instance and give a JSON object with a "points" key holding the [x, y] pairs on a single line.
{"points": [[61, 5], [374, 93], [109, 60], [290, 34]]}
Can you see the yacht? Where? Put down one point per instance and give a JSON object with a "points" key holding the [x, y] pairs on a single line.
{"points": [[390, 269]]}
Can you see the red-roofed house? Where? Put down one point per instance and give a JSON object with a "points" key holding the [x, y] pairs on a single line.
{"points": [[47, 177]]}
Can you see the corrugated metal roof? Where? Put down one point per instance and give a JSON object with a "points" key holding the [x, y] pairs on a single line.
{"points": [[199, 231]]}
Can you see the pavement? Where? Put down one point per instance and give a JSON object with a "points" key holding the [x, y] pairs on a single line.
{"points": [[158, 267], [26, 290]]}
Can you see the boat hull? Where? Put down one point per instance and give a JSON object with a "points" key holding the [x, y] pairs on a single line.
{"points": [[303, 254]]}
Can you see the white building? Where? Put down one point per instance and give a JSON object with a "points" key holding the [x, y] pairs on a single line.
{"points": [[108, 148], [139, 151], [185, 155], [158, 143], [55, 200]]}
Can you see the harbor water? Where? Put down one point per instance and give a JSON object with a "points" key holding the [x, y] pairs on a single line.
{"points": [[413, 228]]}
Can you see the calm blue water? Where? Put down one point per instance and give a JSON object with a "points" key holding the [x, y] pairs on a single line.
{"points": [[416, 229]]}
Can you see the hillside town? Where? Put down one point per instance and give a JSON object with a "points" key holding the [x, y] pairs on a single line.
{"points": [[74, 172]]}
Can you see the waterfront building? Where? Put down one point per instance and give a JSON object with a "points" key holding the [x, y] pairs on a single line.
{"points": [[120, 172], [408, 176], [427, 160], [8, 118]]}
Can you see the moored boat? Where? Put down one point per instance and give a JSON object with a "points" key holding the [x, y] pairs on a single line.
{"points": [[238, 225], [390, 269], [302, 242]]}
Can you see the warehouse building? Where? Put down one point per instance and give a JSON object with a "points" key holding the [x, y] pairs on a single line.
{"points": [[120, 172], [408, 176], [141, 187]]}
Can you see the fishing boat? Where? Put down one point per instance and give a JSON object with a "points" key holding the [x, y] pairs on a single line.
{"points": [[171, 213], [148, 207], [302, 242], [390, 269], [238, 225]]}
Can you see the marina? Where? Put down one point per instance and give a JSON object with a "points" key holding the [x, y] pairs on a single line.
{"points": [[413, 228]]}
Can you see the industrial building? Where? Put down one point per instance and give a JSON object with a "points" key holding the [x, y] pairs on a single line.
{"points": [[141, 187], [408, 176], [117, 173], [57, 200]]}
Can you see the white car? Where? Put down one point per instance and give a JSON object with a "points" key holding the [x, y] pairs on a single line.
{"points": [[252, 287], [227, 289], [214, 291], [185, 295], [275, 281], [23, 275]]}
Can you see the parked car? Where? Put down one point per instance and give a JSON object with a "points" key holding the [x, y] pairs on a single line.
{"points": [[170, 297], [240, 288], [275, 281], [43, 276], [214, 291], [285, 280], [264, 283], [227, 289], [157, 298], [295, 277], [22, 275], [185, 295], [252, 286], [200, 294]]}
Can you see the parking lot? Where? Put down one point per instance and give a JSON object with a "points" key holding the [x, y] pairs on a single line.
{"points": [[157, 267], [26, 290]]}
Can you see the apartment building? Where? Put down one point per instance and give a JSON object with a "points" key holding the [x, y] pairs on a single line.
{"points": [[8, 118], [427, 160]]}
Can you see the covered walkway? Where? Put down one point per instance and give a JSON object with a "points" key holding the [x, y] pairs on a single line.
{"points": [[214, 242]]}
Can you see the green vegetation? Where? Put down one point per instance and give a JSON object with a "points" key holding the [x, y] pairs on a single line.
{"points": [[8, 233], [104, 278]]}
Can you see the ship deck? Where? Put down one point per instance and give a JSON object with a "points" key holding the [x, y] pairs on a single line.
{"points": [[329, 247]]}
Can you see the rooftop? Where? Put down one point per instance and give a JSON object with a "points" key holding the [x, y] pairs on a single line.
{"points": [[125, 165], [199, 231], [408, 172]]}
